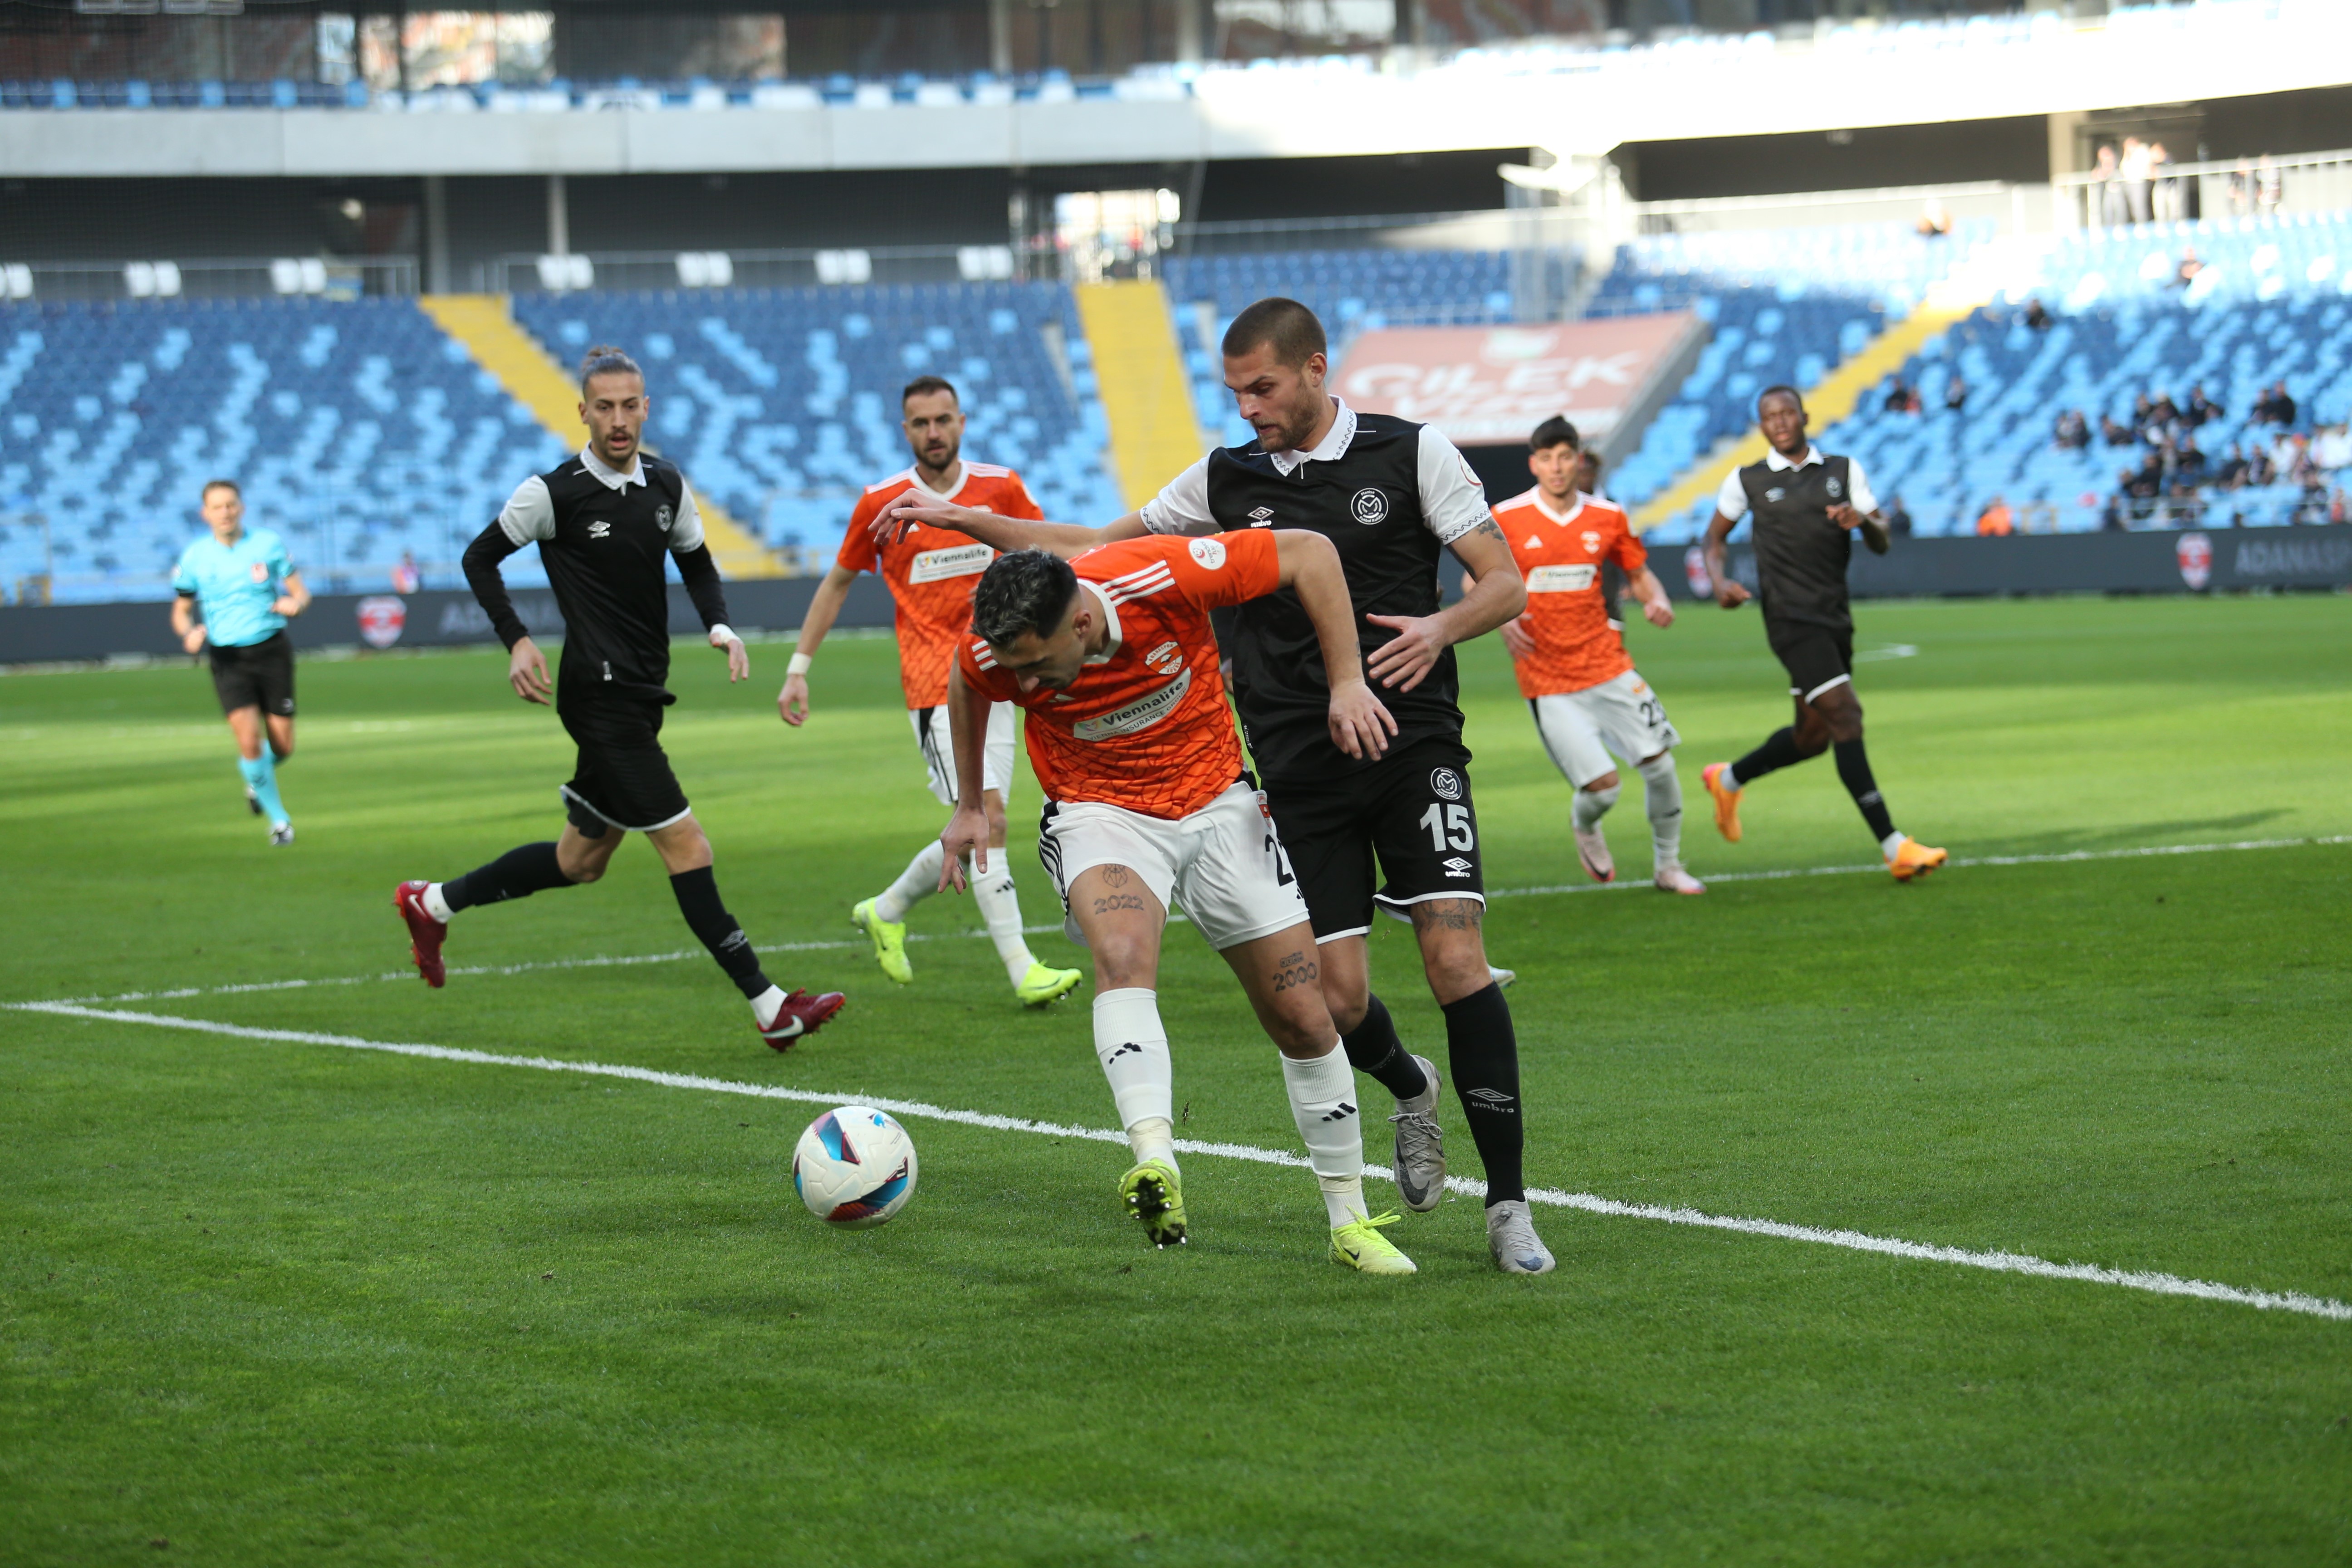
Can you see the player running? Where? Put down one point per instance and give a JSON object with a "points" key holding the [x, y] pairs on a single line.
{"points": [[1392, 496], [1805, 506], [247, 590], [603, 521], [931, 572], [1114, 660], [1589, 702]]}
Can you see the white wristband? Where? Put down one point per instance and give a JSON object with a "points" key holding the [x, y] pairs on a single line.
{"points": [[724, 632], [798, 664]]}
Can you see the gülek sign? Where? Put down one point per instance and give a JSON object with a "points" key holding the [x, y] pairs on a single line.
{"points": [[1492, 385]]}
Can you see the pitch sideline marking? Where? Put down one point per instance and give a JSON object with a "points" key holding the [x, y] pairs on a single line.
{"points": [[1855, 1241], [626, 960]]}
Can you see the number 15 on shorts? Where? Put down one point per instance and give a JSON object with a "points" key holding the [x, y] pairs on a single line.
{"points": [[1450, 827]]}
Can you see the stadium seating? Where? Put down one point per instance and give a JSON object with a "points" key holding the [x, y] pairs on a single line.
{"points": [[784, 403], [357, 430]]}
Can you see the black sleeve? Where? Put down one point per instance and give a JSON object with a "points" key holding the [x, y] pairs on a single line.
{"points": [[699, 572], [481, 563]]}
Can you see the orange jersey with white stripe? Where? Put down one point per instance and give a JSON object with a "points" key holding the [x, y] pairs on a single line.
{"points": [[1561, 555], [931, 570], [1146, 727]]}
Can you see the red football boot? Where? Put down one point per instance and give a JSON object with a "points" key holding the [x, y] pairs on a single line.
{"points": [[800, 1014], [425, 934]]}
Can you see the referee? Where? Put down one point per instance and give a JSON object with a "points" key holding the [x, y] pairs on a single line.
{"points": [[1399, 831], [602, 522], [1806, 507], [247, 589]]}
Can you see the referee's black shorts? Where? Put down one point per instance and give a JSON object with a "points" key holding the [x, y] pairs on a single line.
{"points": [[623, 777], [255, 675], [1411, 810], [1817, 657]]}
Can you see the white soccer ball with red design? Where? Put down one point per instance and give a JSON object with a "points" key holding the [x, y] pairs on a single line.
{"points": [[855, 1167]]}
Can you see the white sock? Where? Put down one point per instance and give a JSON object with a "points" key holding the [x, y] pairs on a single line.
{"points": [[435, 904], [1662, 794], [767, 1005], [1592, 804], [1132, 1046], [1002, 910], [918, 881], [1323, 1102], [1154, 1138], [1891, 843], [1727, 779]]}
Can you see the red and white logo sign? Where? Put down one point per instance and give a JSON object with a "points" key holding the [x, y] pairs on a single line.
{"points": [[2195, 553], [382, 618], [1485, 386], [1694, 572]]}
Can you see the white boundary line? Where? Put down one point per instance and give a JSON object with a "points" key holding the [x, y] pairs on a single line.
{"points": [[1855, 1241], [621, 961]]}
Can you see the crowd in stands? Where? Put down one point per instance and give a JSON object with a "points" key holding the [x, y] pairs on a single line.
{"points": [[2176, 482]]}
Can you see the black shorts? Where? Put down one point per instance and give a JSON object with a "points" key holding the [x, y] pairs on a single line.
{"points": [[1412, 809], [258, 675], [623, 777], [1816, 657]]}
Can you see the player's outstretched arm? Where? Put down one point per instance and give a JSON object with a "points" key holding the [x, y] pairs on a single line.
{"points": [[1306, 562], [824, 604], [967, 831], [1497, 593], [1656, 608], [1000, 532], [1728, 591]]}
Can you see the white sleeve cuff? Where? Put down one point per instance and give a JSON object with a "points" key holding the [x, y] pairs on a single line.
{"points": [[722, 632]]}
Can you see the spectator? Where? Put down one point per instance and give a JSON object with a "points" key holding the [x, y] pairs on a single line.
{"points": [[2268, 188], [2338, 509], [2113, 518], [2073, 432], [2188, 462], [2163, 413], [2107, 191], [1994, 521], [2037, 317], [2170, 207], [2143, 416], [2237, 519], [2185, 273], [2261, 472], [2275, 406], [2202, 410], [2232, 474], [2134, 170], [1899, 398], [2241, 189], [2297, 464], [405, 579], [1955, 393], [2115, 434], [1934, 223], [1898, 518], [2183, 507]]}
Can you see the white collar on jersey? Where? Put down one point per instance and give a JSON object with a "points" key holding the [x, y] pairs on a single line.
{"points": [[914, 476], [1110, 619], [1772, 459], [1543, 504], [1331, 449], [611, 478]]}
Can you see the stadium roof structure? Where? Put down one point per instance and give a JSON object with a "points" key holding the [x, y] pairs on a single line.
{"points": [[1572, 100]]}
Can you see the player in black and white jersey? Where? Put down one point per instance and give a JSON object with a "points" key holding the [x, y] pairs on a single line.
{"points": [[604, 522], [1396, 832], [1806, 507]]}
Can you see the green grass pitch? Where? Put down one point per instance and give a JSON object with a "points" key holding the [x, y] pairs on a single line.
{"points": [[271, 1302]]}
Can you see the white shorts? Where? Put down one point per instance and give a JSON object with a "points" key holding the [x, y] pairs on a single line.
{"points": [[938, 752], [1223, 866], [1582, 729]]}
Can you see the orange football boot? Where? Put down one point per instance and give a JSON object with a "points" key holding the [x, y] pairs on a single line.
{"points": [[1913, 860], [1726, 801]]}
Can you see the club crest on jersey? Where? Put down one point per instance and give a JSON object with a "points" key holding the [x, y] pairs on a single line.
{"points": [[600, 529], [1836, 489], [662, 516], [1371, 505], [1209, 552], [260, 570], [1591, 541], [1261, 517], [1445, 783], [1165, 659]]}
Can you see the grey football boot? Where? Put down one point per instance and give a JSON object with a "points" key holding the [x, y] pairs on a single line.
{"points": [[1511, 1237], [1420, 1146]]}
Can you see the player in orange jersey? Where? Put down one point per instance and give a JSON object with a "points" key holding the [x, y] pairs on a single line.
{"points": [[1587, 700], [931, 572], [1113, 659]]}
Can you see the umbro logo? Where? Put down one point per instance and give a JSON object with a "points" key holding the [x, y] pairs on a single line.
{"points": [[1455, 865], [600, 529], [1343, 1111], [1261, 517], [1775, 493], [1493, 1099]]}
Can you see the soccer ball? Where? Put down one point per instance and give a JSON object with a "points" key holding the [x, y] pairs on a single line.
{"points": [[855, 1167]]}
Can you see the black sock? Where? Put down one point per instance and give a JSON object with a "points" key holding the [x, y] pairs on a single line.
{"points": [[697, 901], [1778, 751], [1485, 1056], [516, 874], [1853, 768], [1373, 1047]]}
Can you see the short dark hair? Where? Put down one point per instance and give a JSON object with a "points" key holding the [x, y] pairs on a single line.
{"points": [[1286, 326], [1022, 591], [1555, 431], [229, 484], [604, 359], [1779, 389], [924, 385]]}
